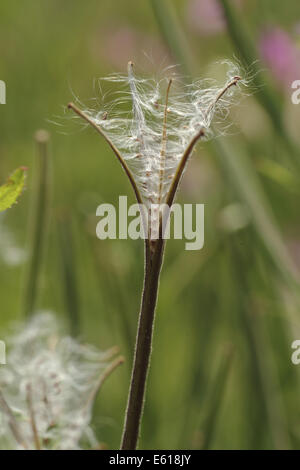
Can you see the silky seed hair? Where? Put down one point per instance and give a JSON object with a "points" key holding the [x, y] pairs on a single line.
{"points": [[165, 116]]}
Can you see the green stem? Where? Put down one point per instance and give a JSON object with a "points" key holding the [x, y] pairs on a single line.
{"points": [[172, 33], [216, 397], [153, 263], [69, 268], [39, 223]]}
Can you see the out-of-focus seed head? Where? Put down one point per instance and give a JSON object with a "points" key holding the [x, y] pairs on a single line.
{"points": [[47, 388]]}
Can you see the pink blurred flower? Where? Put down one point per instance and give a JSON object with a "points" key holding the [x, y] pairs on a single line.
{"points": [[281, 55], [119, 44], [205, 16]]}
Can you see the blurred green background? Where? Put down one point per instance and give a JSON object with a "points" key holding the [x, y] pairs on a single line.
{"points": [[221, 374]]}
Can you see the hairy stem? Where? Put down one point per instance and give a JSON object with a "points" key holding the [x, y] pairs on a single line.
{"points": [[143, 347]]}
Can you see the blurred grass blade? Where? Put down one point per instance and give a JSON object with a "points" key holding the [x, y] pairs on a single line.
{"points": [[12, 189], [215, 398], [71, 291], [254, 321], [266, 95], [248, 186], [104, 376], [115, 303], [38, 223], [279, 174], [172, 33], [268, 369]]}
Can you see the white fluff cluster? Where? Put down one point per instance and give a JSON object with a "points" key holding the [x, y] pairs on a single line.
{"points": [[47, 389], [165, 117]]}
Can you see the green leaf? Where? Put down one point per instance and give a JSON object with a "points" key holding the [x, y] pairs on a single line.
{"points": [[12, 189]]}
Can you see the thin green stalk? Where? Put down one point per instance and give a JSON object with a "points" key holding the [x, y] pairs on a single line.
{"points": [[264, 368], [71, 290], [39, 222], [115, 303], [172, 33], [216, 397]]}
